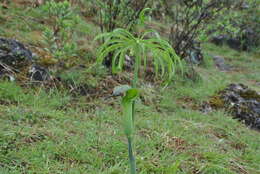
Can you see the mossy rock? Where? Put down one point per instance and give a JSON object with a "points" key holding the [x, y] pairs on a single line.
{"points": [[250, 94], [216, 102], [14, 53], [243, 103]]}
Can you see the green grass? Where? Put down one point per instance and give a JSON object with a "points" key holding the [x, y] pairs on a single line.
{"points": [[50, 132], [55, 133], [246, 65]]}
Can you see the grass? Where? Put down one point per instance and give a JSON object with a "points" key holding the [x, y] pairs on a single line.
{"points": [[42, 132], [55, 133]]}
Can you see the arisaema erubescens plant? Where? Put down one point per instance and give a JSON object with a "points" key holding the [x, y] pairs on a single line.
{"points": [[120, 43]]}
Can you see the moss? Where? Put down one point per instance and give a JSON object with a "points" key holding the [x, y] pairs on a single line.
{"points": [[47, 61], [216, 102], [250, 94]]}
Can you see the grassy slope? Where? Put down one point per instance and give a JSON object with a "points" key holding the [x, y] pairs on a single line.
{"points": [[52, 133], [47, 133]]}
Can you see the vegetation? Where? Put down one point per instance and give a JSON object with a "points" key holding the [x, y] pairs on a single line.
{"points": [[59, 38], [122, 42], [118, 14], [72, 122]]}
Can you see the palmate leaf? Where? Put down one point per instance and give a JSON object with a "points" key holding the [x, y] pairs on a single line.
{"points": [[120, 42], [118, 60], [150, 31], [103, 52]]}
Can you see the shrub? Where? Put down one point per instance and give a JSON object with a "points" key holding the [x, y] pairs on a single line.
{"points": [[59, 38], [242, 24], [118, 13], [189, 19]]}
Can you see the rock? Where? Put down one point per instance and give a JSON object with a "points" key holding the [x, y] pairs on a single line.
{"points": [[129, 62], [15, 58], [242, 102], [244, 5], [234, 43], [195, 55], [219, 40], [38, 73], [249, 39], [120, 90], [7, 76], [206, 108], [14, 53], [220, 63]]}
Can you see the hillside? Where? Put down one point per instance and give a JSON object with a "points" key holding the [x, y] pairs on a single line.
{"points": [[69, 124]]}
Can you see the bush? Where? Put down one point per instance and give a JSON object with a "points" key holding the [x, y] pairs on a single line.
{"points": [[118, 13], [190, 18], [59, 38], [242, 24]]}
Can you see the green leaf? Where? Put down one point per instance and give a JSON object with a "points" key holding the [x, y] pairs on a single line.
{"points": [[120, 42], [142, 15]]}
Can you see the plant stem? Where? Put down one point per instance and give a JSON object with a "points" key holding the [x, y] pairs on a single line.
{"points": [[134, 82], [131, 156], [129, 139]]}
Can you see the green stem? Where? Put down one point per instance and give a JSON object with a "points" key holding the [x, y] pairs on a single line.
{"points": [[135, 80], [129, 139], [131, 156], [134, 83]]}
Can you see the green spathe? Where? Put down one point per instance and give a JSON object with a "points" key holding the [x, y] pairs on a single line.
{"points": [[128, 122], [127, 103]]}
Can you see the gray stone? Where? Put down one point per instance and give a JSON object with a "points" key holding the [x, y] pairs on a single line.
{"points": [[195, 55], [14, 53], [243, 103], [220, 63], [38, 73], [15, 58]]}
